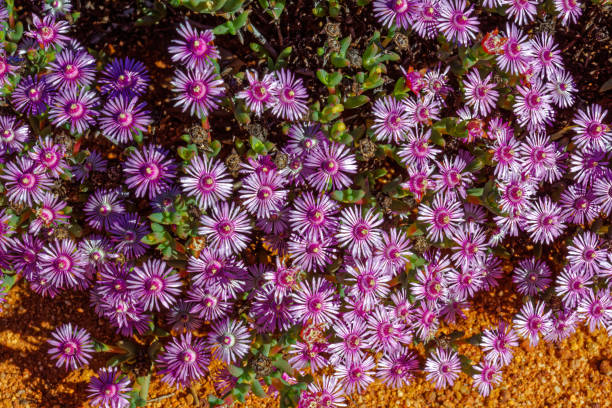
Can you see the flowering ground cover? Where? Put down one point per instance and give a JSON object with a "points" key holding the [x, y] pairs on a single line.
{"points": [[326, 204]]}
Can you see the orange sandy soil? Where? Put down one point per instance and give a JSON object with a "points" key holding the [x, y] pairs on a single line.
{"points": [[576, 373]]}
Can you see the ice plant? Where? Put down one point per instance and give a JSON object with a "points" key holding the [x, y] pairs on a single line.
{"points": [[195, 49], [123, 117], [443, 367], [184, 361], [290, 96], [149, 172], [259, 94], [71, 346], [155, 284], [109, 389]]}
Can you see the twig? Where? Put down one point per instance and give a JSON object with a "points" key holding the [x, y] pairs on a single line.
{"points": [[259, 36], [196, 400], [163, 397]]}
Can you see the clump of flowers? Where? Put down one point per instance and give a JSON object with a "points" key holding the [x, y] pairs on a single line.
{"points": [[307, 249]]}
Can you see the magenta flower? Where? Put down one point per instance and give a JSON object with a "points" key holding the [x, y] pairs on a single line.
{"points": [[207, 304], [48, 32], [48, 215], [397, 369], [395, 12], [183, 361], [356, 375], [561, 88], [419, 181], [443, 217], [195, 49], [391, 121], [72, 69], [75, 107], [521, 11], [227, 228], [531, 277], [49, 157], [453, 179], [6, 68], [312, 252], [602, 190], [596, 309], [324, 391], [547, 54], [6, 231], [263, 193], [224, 274], [102, 209], [315, 302], [486, 376], [289, 97], [127, 232], [564, 325], [417, 148], [199, 92], [422, 110], [24, 182], [109, 389], [61, 264], [573, 286], [359, 233], [497, 344], [456, 22], [425, 18], [385, 333], [330, 166], [353, 341], [517, 52], [314, 215], [543, 221], [182, 319], [443, 367], [125, 77], [122, 117], [369, 281], [71, 346], [32, 95], [506, 151], [229, 340], [577, 205], [155, 284], [591, 131], [480, 93], [13, 134], [471, 245], [532, 106], [531, 321], [584, 254], [149, 172], [394, 252], [207, 180], [569, 10], [259, 95]]}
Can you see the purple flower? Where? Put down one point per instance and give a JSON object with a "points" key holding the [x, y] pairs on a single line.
{"points": [[76, 107], [531, 277], [453, 178], [207, 304], [290, 97], [584, 255], [92, 163], [23, 253], [199, 92], [359, 233], [561, 88], [487, 376], [569, 10], [537, 155], [395, 12], [443, 367], [103, 208], [32, 95], [443, 217], [12, 134], [471, 245], [325, 392], [419, 181], [602, 190], [417, 148], [314, 215], [263, 193], [515, 193], [207, 180], [353, 341], [48, 32], [391, 121], [155, 284], [330, 166], [225, 274], [195, 49], [544, 221], [577, 204], [183, 361], [312, 252], [422, 110], [497, 344], [227, 228], [397, 369], [271, 312], [517, 51], [480, 93], [547, 54], [126, 77], [355, 375], [229, 340], [72, 69], [589, 166], [305, 138], [112, 283], [260, 93], [369, 282], [57, 7], [49, 157], [6, 231], [596, 309], [122, 117], [6, 68], [521, 11], [24, 183], [385, 333], [315, 302], [573, 286], [532, 106], [305, 354], [564, 325], [48, 215], [456, 23], [127, 232], [181, 318], [109, 389], [61, 264], [149, 172], [425, 18], [394, 251], [71, 347], [532, 320], [590, 129]]}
